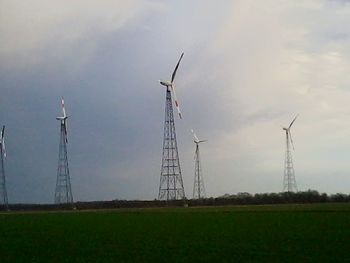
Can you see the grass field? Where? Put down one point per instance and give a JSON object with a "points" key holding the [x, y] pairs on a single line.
{"points": [[279, 233]]}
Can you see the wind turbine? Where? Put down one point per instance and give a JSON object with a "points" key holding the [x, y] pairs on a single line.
{"points": [[289, 182], [3, 191], [171, 184], [63, 192], [63, 120], [198, 186], [170, 84]]}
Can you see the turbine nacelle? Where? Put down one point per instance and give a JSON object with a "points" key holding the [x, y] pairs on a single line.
{"points": [[165, 83], [196, 140]]}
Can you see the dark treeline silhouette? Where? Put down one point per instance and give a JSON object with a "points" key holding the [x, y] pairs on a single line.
{"points": [[310, 196]]}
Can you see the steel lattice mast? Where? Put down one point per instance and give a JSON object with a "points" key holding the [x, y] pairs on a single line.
{"points": [[171, 185], [3, 191], [198, 186], [289, 182], [63, 192]]}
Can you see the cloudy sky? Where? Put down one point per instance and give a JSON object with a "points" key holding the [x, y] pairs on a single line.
{"points": [[249, 67]]}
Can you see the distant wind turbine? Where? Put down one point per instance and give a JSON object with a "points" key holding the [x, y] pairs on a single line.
{"points": [[198, 186], [63, 192], [289, 182]]}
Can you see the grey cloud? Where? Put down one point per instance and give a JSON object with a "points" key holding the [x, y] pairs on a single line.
{"points": [[241, 78]]}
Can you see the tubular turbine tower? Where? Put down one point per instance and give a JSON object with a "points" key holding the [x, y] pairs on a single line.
{"points": [[3, 192], [289, 182], [63, 193], [171, 184], [198, 186]]}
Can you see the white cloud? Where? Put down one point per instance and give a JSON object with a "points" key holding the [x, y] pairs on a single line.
{"points": [[278, 56]]}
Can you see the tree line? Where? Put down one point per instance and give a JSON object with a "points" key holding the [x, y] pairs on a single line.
{"points": [[243, 198]]}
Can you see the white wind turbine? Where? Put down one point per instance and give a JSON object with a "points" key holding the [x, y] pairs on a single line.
{"points": [[289, 182], [63, 119], [170, 84], [63, 191], [198, 186], [171, 184]]}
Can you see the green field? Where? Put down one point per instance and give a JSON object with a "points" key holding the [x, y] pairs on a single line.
{"points": [[279, 233]]}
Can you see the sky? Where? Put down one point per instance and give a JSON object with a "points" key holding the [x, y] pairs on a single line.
{"points": [[249, 67]]}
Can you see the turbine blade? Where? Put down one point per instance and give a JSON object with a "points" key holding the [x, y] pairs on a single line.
{"points": [[291, 139], [3, 147], [202, 141], [177, 65], [63, 109], [176, 101], [194, 135], [2, 140], [65, 130], [3, 131], [293, 121]]}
